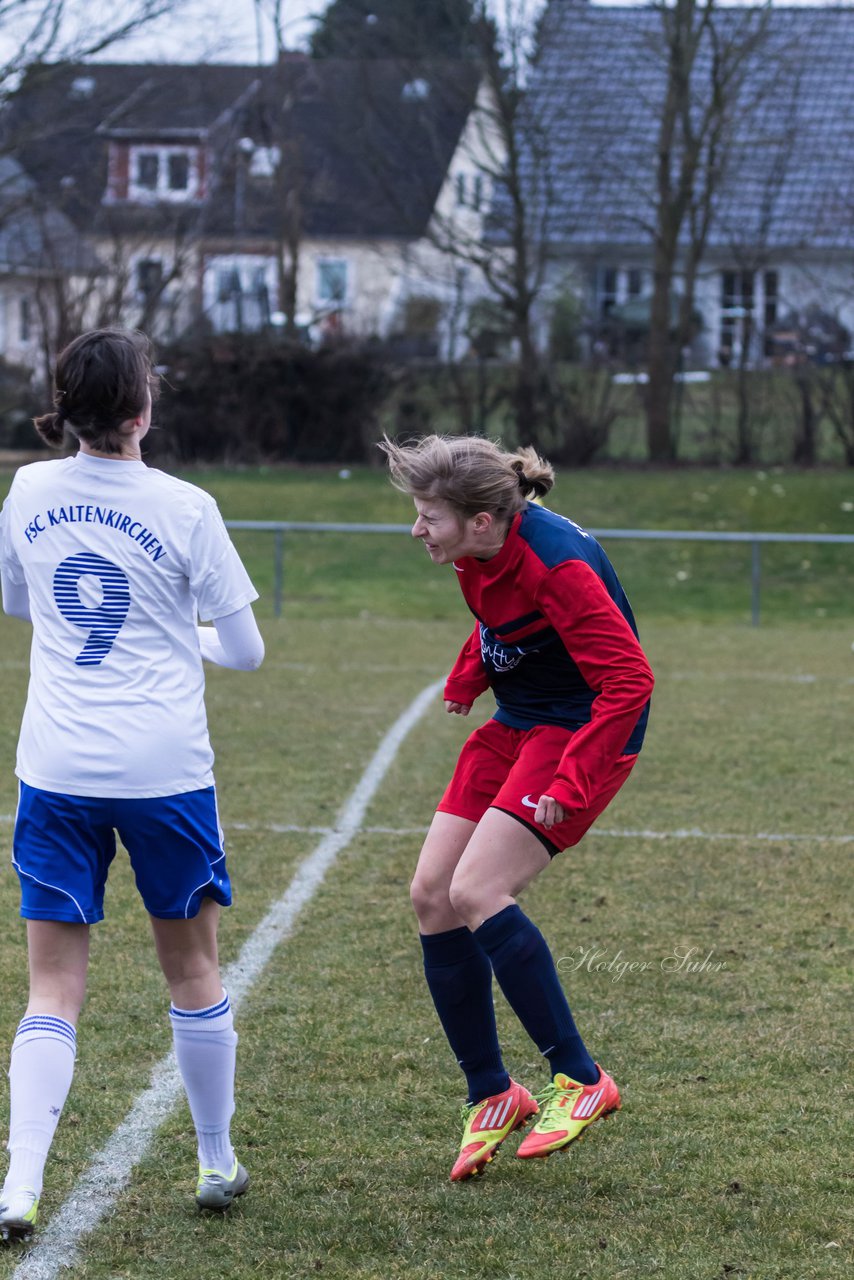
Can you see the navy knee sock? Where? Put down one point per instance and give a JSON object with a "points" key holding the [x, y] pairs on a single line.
{"points": [[526, 973], [459, 977]]}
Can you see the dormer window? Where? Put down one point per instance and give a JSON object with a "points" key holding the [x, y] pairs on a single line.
{"points": [[178, 171], [147, 170], [163, 173]]}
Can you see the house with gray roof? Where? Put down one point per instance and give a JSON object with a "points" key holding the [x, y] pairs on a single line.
{"points": [[242, 196], [781, 236]]}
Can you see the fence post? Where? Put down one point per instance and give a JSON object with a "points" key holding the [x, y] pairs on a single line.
{"points": [[278, 571], [755, 580]]}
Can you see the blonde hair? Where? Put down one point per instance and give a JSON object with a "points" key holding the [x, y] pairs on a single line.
{"points": [[469, 473]]}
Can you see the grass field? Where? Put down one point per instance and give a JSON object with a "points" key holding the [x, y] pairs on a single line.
{"points": [[703, 932], [329, 575]]}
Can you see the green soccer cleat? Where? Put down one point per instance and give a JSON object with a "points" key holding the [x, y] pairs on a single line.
{"points": [[216, 1190], [18, 1213]]}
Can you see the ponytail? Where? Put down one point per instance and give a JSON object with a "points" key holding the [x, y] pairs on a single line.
{"points": [[469, 472], [51, 428], [536, 476]]}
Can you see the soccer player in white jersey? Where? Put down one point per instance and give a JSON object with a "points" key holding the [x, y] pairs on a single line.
{"points": [[115, 563]]}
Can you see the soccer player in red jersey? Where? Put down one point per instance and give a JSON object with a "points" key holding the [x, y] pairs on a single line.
{"points": [[555, 640]]}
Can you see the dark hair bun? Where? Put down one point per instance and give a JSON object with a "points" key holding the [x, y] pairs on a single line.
{"points": [[51, 429]]}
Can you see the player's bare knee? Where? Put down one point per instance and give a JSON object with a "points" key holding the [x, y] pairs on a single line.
{"points": [[425, 894], [467, 901], [432, 905]]}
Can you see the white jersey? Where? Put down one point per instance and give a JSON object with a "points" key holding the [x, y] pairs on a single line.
{"points": [[118, 559]]}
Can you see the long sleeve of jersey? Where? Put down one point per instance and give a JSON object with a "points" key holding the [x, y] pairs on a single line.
{"points": [[608, 655], [468, 678]]}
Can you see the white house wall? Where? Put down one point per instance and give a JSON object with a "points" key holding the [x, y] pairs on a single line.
{"points": [[801, 285], [803, 282], [19, 341], [444, 264]]}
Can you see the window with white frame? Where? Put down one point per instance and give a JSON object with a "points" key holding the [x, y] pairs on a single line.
{"points": [[163, 173], [240, 292], [613, 286], [749, 302], [737, 298], [332, 282], [228, 283]]}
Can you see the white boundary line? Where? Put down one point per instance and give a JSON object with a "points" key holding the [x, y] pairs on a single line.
{"points": [[695, 833], [681, 833], [756, 677], [624, 833], [110, 1169]]}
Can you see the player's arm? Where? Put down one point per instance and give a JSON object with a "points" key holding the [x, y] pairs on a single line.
{"points": [[467, 679], [233, 641], [611, 660], [16, 598]]}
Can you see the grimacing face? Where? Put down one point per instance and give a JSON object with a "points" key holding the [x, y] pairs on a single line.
{"points": [[447, 536]]}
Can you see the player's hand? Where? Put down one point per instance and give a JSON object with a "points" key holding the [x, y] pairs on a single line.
{"points": [[457, 708], [549, 812]]}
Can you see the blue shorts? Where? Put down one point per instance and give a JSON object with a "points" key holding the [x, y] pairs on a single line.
{"points": [[63, 847]]}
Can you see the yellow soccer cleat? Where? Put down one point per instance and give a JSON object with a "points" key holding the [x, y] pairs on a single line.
{"points": [[487, 1124], [567, 1109]]}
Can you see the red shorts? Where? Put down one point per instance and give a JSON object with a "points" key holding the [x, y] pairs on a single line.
{"points": [[509, 769]]}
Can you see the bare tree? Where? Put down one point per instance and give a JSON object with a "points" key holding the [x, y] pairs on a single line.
{"points": [[510, 154], [38, 31], [46, 34], [751, 255], [277, 14], [74, 288], [708, 62], [836, 388], [290, 183]]}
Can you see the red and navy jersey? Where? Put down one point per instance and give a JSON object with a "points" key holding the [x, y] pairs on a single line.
{"points": [[556, 641]]}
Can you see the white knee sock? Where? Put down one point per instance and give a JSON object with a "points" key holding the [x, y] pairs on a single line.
{"points": [[40, 1074], [206, 1049]]}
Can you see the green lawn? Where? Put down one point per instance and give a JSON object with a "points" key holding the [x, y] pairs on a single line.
{"points": [[330, 575], [702, 930]]}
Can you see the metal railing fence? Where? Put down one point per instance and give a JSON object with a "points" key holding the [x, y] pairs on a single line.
{"points": [[756, 540]]}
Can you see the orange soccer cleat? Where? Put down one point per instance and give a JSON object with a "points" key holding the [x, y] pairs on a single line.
{"points": [[487, 1124], [567, 1109]]}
